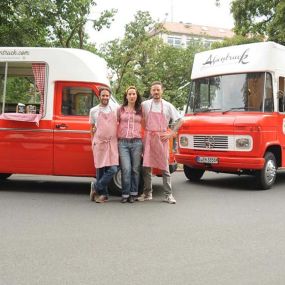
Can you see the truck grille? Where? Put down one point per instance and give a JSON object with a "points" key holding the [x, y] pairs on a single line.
{"points": [[211, 142]]}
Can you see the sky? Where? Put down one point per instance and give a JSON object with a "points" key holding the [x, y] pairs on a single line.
{"points": [[199, 12]]}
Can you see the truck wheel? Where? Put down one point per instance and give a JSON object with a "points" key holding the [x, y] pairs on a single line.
{"points": [[4, 175], [115, 186], [193, 174], [267, 176]]}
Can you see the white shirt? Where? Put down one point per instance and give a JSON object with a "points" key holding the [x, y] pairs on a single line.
{"points": [[94, 112], [169, 110]]}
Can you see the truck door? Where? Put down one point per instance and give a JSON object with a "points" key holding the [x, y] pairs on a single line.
{"points": [[72, 142]]}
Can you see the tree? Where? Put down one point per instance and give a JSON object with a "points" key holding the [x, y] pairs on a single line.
{"points": [[141, 57], [260, 18], [237, 40], [67, 19], [126, 56], [18, 26], [48, 23]]}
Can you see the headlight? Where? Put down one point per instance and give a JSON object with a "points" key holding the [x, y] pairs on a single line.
{"points": [[183, 141], [244, 143]]}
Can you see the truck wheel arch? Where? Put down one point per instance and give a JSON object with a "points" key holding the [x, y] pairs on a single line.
{"points": [[277, 152], [266, 177]]}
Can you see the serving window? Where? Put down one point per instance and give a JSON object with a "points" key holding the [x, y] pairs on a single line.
{"points": [[22, 87]]}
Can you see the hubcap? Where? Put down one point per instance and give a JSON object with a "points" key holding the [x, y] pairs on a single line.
{"points": [[117, 178], [270, 171]]}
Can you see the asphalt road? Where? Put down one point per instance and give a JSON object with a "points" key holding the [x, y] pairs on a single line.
{"points": [[221, 231]]}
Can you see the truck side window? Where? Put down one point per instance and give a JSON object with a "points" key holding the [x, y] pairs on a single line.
{"points": [[22, 87], [268, 99], [77, 101], [280, 94]]}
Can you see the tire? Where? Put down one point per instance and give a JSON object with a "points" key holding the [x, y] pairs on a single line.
{"points": [[193, 174], [266, 177], [115, 186], [3, 176]]}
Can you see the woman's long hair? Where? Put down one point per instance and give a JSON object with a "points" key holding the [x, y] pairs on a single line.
{"points": [[138, 107]]}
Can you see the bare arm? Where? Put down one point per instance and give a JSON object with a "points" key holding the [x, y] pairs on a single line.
{"points": [[172, 133], [92, 130], [176, 126]]}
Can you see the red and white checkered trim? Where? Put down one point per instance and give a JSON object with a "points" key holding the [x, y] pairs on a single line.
{"points": [[39, 70]]}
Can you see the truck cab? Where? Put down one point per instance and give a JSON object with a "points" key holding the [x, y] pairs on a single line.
{"points": [[235, 121]]}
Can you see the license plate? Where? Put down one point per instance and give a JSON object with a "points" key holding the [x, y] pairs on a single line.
{"points": [[206, 159]]}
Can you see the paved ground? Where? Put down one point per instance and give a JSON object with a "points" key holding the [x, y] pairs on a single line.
{"points": [[220, 232]]}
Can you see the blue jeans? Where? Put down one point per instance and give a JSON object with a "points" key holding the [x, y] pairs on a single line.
{"points": [[130, 151], [103, 177]]}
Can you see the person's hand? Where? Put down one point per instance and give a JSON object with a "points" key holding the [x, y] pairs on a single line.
{"points": [[167, 135]]}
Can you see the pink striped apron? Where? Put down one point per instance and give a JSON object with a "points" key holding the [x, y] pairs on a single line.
{"points": [[155, 151], [105, 142]]}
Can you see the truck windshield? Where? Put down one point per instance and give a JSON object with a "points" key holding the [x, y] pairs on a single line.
{"points": [[245, 92]]}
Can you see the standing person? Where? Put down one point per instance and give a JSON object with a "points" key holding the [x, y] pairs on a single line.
{"points": [[103, 120], [130, 143], [157, 113]]}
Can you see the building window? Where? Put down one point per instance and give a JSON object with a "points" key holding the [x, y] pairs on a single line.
{"points": [[174, 41], [207, 43], [193, 40]]}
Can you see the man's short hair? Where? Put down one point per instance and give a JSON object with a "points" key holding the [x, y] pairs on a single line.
{"points": [[101, 89], [156, 83]]}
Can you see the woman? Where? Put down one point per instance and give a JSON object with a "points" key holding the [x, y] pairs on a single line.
{"points": [[130, 143]]}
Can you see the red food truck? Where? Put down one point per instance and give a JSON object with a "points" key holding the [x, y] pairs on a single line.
{"points": [[235, 120], [45, 98]]}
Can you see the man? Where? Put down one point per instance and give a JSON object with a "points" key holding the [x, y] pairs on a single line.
{"points": [[157, 114], [103, 120]]}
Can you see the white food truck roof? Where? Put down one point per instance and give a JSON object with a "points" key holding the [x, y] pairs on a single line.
{"points": [[262, 56], [63, 63]]}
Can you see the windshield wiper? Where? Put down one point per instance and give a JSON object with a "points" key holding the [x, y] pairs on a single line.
{"points": [[206, 110], [239, 108]]}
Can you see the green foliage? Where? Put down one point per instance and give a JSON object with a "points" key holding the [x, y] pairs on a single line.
{"points": [[260, 18], [67, 20], [141, 57], [58, 23], [276, 29], [20, 25], [21, 89], [237, 40]]}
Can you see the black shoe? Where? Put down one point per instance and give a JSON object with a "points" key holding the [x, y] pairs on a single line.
{"points": [[131, 199], [124, 200]]}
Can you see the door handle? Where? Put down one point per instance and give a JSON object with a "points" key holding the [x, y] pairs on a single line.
{"points": [[61, 126]]}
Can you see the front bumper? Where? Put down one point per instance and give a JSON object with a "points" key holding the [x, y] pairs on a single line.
{"points": [[225, 163]]}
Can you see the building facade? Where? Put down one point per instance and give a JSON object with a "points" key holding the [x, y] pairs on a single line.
{"points": [[181, 34]]}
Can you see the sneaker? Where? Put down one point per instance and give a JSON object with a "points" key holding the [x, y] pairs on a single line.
{"points": [[169, 199], [101, 199], [131, 199], [145, 197], [92, 192], [124, 200]]}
